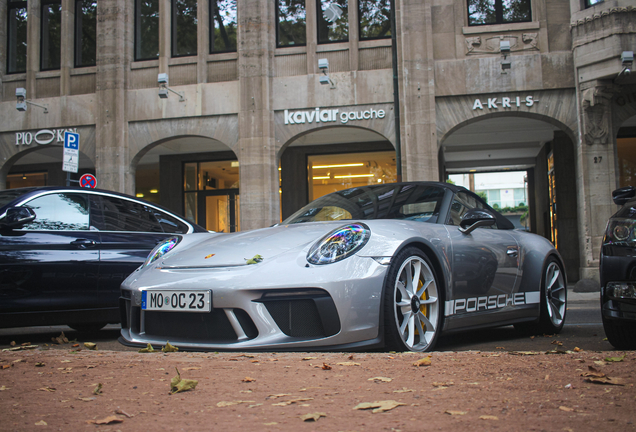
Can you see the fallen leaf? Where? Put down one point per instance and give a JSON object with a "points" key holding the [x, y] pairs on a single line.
{"points": [[87, 399], [90, 346], [378, 406], [124, 413], [98, 389], [224, 404], [615, 359], [7, 366], [566, 409], [556, 342], [12, 343], [248, 379], [148, 349], [309, 358], [381, 379], [325, 366], [443, 384], [276, 396], [451, 412], [348, 364], [178, 385], [191, 368], [48, 389], [313, 416], [605, 380], [488, 417], [426, 361], [255, 260], [577, 349], [524, 353], [61, 339], [107, 420], [270, 424], [3, 388], [404, 390], [41, 423], [292, 401], [169, 348]]}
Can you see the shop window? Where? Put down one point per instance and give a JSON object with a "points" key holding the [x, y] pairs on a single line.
{"points": [[223, 23], [16, 36], [291, 24], [27, 180], [51, 34], [482, 12], [375, 19], [85, 33], [146, 29], [335, 172], [626, 152], [184, 28], [590, 3], [333, 21]]}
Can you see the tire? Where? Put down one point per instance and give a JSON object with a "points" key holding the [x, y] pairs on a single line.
{"points": [[553, 305], [620, 334], [412, 303], [87, 328]]}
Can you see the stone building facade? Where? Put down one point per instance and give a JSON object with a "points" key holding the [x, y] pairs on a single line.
{"points": [[541, 89]]}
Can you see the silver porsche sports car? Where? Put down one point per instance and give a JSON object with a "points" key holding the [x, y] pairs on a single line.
{"points": [[390, 265]]}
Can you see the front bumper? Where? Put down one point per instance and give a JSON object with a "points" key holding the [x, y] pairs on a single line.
{"points": [[267, 306]]}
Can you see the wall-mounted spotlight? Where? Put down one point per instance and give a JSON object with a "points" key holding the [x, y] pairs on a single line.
{"points": [[21, 104], [504, 49], [627, 61], [323, 65], [162, 80]]}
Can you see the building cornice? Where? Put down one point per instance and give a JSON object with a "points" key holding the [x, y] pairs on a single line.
{"points": [[602, 14]]}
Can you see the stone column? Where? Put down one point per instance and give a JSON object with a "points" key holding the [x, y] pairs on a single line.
{"points": [[596, 176], [417, 90], [256, 149], [111, 128]]}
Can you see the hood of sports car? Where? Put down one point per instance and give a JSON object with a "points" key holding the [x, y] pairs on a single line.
{"points": [[249, 247]]}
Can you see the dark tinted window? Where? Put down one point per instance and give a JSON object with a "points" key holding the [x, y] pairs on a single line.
{"points": [[223, 24], [85, 33], [375, 19], [59, 212], [16, 36], [333, 20], [291, 23], [146, 29], [124, 215], [170, 224], [51, 34], [411, 202], [184, 28]]}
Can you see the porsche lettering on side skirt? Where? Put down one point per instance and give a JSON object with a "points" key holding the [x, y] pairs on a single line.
{"points": [[476, 304]]}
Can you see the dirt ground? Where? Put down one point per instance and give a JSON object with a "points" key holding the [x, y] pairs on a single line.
{"points": [[74, 388]]}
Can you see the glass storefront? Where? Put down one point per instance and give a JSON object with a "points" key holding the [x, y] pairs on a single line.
{"points": [[27, 180], [626, 152], [333, 172], [211, 194]]}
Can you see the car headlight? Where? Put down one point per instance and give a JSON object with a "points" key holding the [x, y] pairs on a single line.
{"points": [[161, 249], [339, 244], [620, 231]]}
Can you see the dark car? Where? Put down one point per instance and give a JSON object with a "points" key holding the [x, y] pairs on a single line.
{"points": [[618, 272], [64, 252]]}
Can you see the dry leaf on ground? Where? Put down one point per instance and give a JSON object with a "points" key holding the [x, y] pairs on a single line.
{"points": [[224, 404], [107, 420], [378, 406], [380, 379], [426, 361], [488, 417], [313, 416], [453, 412]]}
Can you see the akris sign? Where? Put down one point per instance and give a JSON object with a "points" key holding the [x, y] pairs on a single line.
{"points": [[330, 115], [42, 137]]}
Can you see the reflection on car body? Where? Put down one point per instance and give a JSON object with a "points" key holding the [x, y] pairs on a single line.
{"points": [[389, 265]]}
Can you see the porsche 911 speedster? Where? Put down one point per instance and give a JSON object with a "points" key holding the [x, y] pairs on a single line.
{"points": [[390, 265]]}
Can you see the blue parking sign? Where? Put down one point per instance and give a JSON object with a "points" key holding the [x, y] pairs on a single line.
{"points": [[71, 140]]}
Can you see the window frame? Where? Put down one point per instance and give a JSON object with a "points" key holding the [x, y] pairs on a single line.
{"points": [[499, 20], [137, 34], [12, 6], [77, 49]]}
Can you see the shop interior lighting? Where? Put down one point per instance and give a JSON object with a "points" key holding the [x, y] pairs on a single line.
{"points": [[21, 104], [154, 191], [162, 80], [338, 166], [353, 176], [321, 178]]}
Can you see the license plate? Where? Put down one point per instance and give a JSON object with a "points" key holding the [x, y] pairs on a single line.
{"points": [[176, 301]]}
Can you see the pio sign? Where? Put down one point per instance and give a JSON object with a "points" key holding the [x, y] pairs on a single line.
{"points": [[71, 152]]}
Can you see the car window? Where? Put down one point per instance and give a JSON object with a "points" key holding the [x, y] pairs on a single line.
{"points": [[124, 215], [170, 224], [461, 204], [59, 212]]}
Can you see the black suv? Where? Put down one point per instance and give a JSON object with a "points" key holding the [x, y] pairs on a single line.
{"points": [[618, 272]]}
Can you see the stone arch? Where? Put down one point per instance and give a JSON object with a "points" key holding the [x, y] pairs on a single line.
{"points": [[557, 107]]}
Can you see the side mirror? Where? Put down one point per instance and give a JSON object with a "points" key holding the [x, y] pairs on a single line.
{"points": [[475, 218], [624, 194], [16, 217]]}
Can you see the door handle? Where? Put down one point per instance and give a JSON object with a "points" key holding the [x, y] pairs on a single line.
{"points": [[83, 243], [512, 253]]}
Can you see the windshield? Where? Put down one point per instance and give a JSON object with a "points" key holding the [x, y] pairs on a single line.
{"points": [[6, 196], [388, 201]]}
